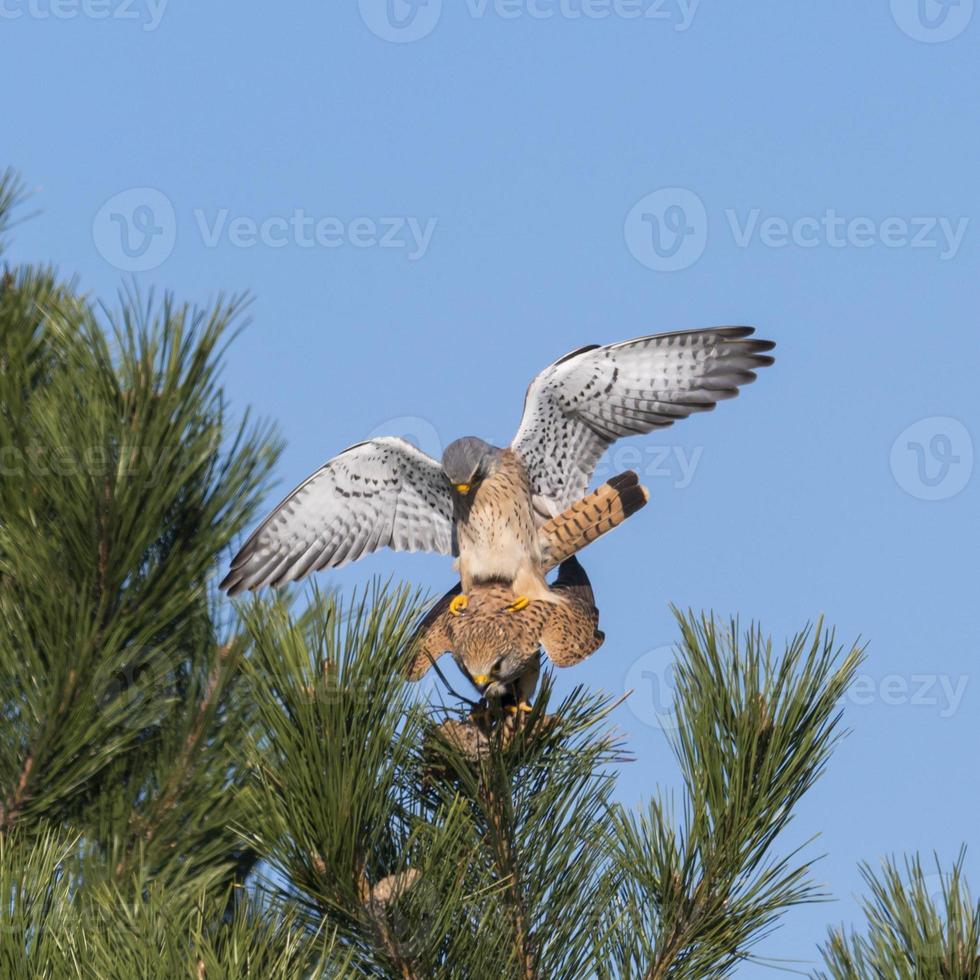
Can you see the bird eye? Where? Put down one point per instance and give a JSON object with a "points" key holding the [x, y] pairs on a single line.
{"points": [[497, 667]]}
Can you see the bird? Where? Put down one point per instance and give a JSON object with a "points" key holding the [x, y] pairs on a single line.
{"points": [[506, 649], [500, 653], [482, 503]]}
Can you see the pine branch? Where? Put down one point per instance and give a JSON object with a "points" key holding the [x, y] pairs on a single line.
{"points": [[62, 920], [224, 666], [334, 738], [12, 195], [754, 732], [123, 484], [918, 925], [104, 560], [538, 798], [496, 801]]}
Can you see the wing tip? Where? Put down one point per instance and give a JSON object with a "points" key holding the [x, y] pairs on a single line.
{"points": [[736, 332], [735, 336], [232, 585]]}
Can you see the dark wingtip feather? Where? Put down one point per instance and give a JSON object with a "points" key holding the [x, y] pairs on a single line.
{"points": [[739, 337], [733, 332]]}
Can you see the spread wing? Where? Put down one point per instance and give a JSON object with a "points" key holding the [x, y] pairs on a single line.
{"points": [[576, 409], [377, 494]]}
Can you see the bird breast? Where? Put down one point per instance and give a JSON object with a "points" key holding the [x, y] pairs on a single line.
{"points": [[496, 525]]}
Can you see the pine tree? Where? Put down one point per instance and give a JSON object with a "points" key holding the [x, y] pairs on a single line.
{"points": [[195, 788]]}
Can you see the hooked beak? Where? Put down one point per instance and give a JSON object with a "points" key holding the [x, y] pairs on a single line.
{"points": [[463, 488], [481, 680]]}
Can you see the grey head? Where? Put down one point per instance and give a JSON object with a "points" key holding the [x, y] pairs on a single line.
{"points": [[469, 460]]}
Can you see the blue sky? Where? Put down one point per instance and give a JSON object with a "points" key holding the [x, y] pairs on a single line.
{"points": [[432, 204]]}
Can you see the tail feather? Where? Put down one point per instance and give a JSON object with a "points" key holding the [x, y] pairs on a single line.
{"points": [[589, 518]]}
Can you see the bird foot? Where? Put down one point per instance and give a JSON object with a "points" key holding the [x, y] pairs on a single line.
{"points": [[521, 706], [521, 602], [458, 604]]}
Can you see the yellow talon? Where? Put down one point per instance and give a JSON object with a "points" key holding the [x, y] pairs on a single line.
{"points": [[519, 603], [515, 709], [458, 604]]}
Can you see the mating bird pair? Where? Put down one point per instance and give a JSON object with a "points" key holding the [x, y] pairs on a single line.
{"points": [[484, 504], [501, 653]]}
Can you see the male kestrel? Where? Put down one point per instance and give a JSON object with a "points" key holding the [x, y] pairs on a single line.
{"points": [[484, 503]]}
